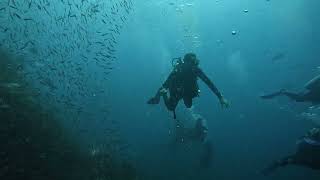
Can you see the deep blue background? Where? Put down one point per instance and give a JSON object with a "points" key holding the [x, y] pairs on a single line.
{"points": [[253, 132], [246, 137]]}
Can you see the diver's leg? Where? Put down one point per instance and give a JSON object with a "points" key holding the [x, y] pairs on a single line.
{"points": [[171, 103], [280, 163], [187, 102]]}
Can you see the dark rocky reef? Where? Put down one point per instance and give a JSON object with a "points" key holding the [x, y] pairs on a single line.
{"points": [[35, 146]]}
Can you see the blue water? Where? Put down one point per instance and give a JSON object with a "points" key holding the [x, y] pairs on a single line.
{"points": [[246, 137], [252, 133]]}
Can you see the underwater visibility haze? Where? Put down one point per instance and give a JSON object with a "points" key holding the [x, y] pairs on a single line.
{"points": [[91, 89]]}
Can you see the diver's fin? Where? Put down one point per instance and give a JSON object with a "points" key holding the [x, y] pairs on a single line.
{"points": [[154, 100]]}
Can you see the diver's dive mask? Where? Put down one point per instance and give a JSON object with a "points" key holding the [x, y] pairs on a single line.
{"points": [[191, 58], [196, 61]]}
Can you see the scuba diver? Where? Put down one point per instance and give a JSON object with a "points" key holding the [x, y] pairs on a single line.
{"points": [[196, 135], [311, 95], [307, 154], [182, 84]]}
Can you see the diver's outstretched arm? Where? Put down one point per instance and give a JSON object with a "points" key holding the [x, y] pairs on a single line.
{"points": [[208, 82], [272, 95], [277, 164], [214, 89], [298, 97]]}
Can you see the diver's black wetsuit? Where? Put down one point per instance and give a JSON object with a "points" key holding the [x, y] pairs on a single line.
{"points": [[307, 155], [182, 84]]}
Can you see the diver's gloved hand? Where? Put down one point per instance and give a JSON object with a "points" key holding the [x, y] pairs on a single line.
{"points": [[154, 100], [224, 103]]}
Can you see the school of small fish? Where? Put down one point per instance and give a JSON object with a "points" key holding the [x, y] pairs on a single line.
{"points": [[64, 44]]}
